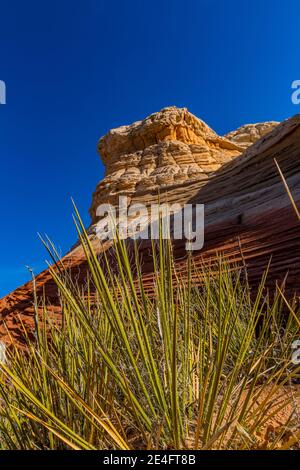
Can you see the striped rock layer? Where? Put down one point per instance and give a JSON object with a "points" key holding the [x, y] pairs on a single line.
{"points": [[248, 215]]}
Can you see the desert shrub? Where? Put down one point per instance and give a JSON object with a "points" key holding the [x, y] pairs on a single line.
{"points": [[183, 367]]}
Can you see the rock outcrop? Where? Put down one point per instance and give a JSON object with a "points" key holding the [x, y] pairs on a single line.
{"points": [[247, 135], [248, 215], [165, 150]]}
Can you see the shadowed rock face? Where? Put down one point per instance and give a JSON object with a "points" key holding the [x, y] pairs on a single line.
{"points": [[248, 216]]}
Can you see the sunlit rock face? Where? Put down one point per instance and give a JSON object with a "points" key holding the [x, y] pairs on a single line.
{"points": [[249, 218], [163, 151], [248, 134]]}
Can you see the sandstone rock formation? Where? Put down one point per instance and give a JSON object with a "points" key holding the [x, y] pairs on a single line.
{"points": [[247, 135], [167, 149], [165, 152], [248, 215]]}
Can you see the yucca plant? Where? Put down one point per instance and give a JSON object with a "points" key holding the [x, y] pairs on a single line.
{"points": [[201, 363]]}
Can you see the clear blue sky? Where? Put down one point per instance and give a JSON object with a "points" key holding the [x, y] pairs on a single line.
{"points": [[74, 69]]}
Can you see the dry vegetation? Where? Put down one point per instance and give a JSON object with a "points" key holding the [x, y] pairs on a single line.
{"points": [[205, 367]]}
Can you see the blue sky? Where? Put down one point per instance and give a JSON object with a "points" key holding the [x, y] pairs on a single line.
{"points": [[75, 69]]}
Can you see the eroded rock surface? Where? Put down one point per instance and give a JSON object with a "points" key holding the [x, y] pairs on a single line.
{"points": [[248, 134], [167, 149], [248, 215]]}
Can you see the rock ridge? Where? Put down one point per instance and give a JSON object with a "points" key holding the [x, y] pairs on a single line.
{"points": [[167, 149]]}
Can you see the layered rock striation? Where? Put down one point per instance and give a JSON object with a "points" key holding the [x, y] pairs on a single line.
{"points": [[165, 150], [247, 135], [248, 215]]}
